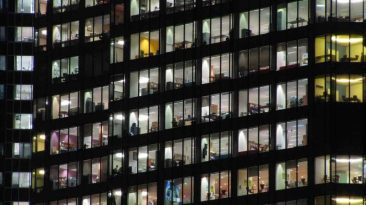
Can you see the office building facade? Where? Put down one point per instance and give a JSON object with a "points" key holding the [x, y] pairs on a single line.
{"points": [[154, 102], [16, 95]]}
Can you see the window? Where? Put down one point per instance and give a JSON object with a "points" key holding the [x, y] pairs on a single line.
{"points": [[23, 63], [179, 152], [24, 34], [291, 134], [118, 124], [255, 22], [100, 198], [254, 101], [340, 88], [38, 179], [291, 174], [292, 54], [145, 44], [144, 82], [349, 88], [144, 120], [116, 163], [41, 39], [21, 179], [65, 105], [215, 185], [64, 175], [25, 6], [254, 60], [118, 13], [21, 150], [41, 7], [23, 92], [65, 34], [173, 6], [292, 94], [216, 146], [95, 170], [95, 135], [2, 62], [339, 200], [339, 48], [142, 9], [66, 69], [180, 74], [2, 92], [342, 169], [292, 15], [89, 3], [97, 28], [117, 50], [96, 99], [180, 37], [65, 5], [253, 180], [216, 30], [64, 140], [254, 139], [38, 143], [340, 11], [212, 2], [216, 68], [143, 194], [180, 113], [143, 159], [118, 88], [322, 88], [22, 121], [179, 191], [216, 107]]}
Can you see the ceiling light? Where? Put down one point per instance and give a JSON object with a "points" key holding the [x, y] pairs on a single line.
{"points": [[119, 155], [65, 102], [144, 80], [142, 156], [347, 80], [347, 1], [42, 137], [345, 160], [339, 39], [344, 200], [121, 42], [119, 117]]}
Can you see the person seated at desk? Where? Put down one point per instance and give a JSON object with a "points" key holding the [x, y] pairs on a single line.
{"points": [[134, 130]]}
